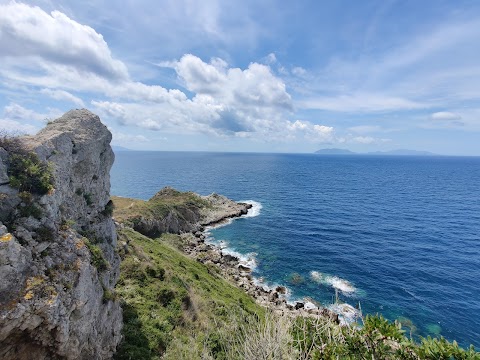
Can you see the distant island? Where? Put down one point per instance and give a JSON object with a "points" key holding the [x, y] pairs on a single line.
{"points": [[398, 152], [334, 151], [117, 148]]}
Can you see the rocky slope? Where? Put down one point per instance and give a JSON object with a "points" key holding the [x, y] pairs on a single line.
{"points": [[172, 211], [58, 263]]}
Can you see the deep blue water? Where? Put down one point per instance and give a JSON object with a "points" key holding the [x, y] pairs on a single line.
{"points": [[400, 235]]}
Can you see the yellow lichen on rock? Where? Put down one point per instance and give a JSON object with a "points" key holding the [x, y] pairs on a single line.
{"points": [[28, 295], [5, 238], [34, 281], [79, 244]]}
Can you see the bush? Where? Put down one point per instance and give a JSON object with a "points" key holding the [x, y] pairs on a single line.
{"points": [[25, 170], [44, 233], [108, 210], [97, 259], [88, 198]]}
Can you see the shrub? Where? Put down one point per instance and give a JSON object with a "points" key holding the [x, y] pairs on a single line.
{"points": [[108, 210], [88, 198], [44, 233], [97, 259], [30, 210], [25, 170]]}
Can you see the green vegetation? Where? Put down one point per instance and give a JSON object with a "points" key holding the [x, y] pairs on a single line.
{"points": [[26, 172], [172, 304], [97, 259], [160, 205], [88, 198], [177, 308], [108, 210]]}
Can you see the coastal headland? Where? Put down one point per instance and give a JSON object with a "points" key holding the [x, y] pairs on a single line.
{"points": [[84, 275], [191, 215]]}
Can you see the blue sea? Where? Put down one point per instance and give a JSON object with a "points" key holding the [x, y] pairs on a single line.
{"points": [[399, 235]]}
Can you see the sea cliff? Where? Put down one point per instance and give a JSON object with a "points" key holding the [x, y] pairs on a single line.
{"points": [[58, 240], [146, 284]]}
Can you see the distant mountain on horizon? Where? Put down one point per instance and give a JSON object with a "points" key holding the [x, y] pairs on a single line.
{"points": [[334, 151], [403, 152], [117, 148]]}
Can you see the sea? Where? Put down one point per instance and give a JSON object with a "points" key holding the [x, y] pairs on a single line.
{"points": [[394, 235]]}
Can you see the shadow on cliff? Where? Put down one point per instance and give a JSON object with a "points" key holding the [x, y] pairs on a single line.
{"points": [[135, 344]]}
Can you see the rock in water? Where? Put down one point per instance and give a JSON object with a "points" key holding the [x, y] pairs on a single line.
{"points": [[58, 263]]}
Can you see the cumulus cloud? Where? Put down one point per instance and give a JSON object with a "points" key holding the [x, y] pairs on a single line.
{"points": [[17, 112], [16, 127], [366, 140], [59, 57], [17, 119], [120, 137], [63, 95], [361, 102], [30, 32], [311, 132], [445, 115], [365, 129]]}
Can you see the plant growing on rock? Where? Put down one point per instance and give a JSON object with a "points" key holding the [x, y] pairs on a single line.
{"points": [[25, 170]]}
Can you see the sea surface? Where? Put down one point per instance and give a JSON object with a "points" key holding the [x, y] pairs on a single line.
{"points": [[398, 235]]}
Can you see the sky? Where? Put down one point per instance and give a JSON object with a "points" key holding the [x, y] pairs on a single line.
{"points": [[249, 76]]}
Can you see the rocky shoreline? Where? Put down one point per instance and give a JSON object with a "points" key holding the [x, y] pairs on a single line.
{"points": [[192, 216], [239, 272]]}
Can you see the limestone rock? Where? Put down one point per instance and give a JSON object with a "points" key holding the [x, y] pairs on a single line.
{"points": [[3, 166], [52, 288]]}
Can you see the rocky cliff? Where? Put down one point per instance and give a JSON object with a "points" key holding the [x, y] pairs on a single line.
{"points": [[58, 263], [172, 211]]}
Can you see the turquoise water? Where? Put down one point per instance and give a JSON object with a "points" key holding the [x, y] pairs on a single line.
{"points": [[400, 235]]}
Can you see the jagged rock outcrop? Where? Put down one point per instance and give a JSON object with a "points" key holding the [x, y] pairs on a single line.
{"points": [[172, 211], [58, 263]]}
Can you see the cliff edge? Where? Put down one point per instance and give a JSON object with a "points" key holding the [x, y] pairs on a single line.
{"points": [[58, 263]]}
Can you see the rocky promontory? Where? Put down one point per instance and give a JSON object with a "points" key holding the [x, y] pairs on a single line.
{"points": [[172, 211], [58, 262]]}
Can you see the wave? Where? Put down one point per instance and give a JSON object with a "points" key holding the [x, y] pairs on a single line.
{"points": [[347, 314], [254, 210], [334, 281], [249, 260]]}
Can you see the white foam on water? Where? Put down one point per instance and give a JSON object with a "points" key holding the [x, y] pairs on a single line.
{"points": [[347, 314], [334, 281], [310, 306], [247, 260], [254, 210]]}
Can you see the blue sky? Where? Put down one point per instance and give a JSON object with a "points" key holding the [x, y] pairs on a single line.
{"points": [[271, 76]]}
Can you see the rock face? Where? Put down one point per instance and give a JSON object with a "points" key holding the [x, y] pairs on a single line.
{"points": [[58, 265], [172, 211]]}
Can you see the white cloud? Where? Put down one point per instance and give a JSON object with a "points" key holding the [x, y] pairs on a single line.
{"points": [[16, 127], [360, 102], [417, 71], [122, 138], [364, 139], [311, 132], [17, 119], [17, 112], [299, 71], [365, 129], [63, 95], [445, 115], [367, 140], [271, 58], [30, 33]]}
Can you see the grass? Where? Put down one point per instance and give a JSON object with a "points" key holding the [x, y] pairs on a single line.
{"points": [[172, 304], [160, 205], [177, 308], [25, 170]]}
